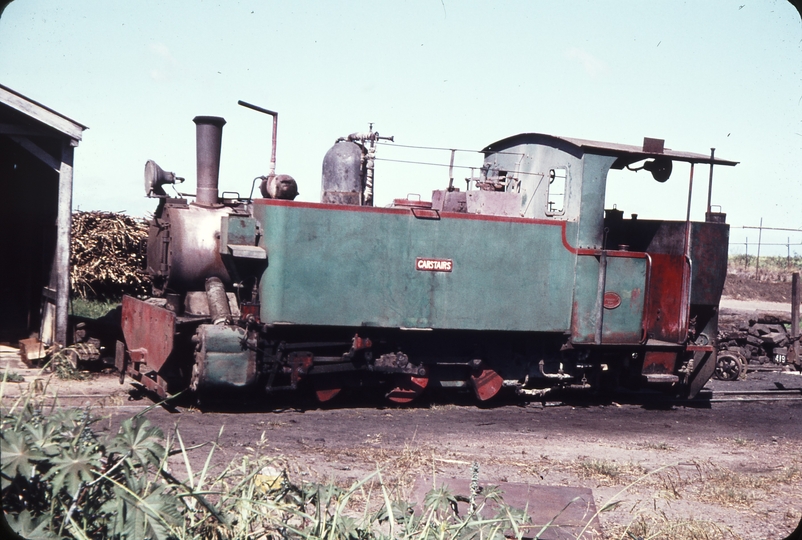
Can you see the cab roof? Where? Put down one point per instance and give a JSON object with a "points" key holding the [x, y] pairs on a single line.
{"points": [[626, 154]]}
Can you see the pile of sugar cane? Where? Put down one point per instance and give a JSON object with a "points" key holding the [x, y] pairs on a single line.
{"points": [[105, 256]]}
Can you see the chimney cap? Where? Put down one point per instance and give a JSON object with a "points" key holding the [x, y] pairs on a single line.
{"points": [[214, 120]]}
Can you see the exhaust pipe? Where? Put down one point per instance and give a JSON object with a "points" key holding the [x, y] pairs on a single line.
{"points": [[209, 139]]}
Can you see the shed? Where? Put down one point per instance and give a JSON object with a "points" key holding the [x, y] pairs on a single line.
{"points": [[36, 175]]}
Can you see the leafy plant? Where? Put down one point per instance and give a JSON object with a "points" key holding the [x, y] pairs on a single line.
{"points": [[58, 479]]}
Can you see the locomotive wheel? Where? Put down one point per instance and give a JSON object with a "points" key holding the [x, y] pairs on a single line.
{"points": [[486, 383], [326, 390], [728, 367], [407, 388], [326, 394]]}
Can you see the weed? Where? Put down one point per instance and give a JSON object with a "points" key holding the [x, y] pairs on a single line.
{"points": [[59, 478], [787, 475], [606, 471], [729, 488], [442, 406], [672, 484], [64, 363], [712, 483], [659, 446], [657, 525], [594, 467], [13, 376]]}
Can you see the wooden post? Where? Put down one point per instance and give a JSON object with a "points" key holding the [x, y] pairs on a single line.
{"points": [[788, 257], [63, 224], [794, 350], [757, 261], [746, 250]]}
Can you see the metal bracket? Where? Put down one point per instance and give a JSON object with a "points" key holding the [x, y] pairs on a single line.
{"points": [[425, 213]]}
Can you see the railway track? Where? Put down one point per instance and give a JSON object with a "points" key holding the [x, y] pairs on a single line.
{"points": [[706, 396], [723, 396]]}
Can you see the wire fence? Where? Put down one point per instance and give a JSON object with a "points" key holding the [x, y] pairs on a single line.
{"points": [[751, 258]]}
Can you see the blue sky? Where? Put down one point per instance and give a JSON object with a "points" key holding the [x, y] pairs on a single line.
{"points": [[698, 74]]}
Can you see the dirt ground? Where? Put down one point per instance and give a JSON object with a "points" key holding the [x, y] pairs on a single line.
{"points": [[720, 470], [742, 285], [712, 470]]}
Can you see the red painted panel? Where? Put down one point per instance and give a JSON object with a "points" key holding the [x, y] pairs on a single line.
{"points": [[662, 362], [665, 298], [149, 329]]}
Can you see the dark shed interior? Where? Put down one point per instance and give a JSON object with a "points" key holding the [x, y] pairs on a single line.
{"points": [[32, 151]]}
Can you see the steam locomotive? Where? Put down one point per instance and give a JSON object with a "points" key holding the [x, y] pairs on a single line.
{"points": [[522, 281]]}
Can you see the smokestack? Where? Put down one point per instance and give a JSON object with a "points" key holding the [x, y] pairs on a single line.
{"points": [[209, 139]]}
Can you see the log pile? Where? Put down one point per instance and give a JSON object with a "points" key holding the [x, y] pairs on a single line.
{"points": [[105, 257], [762, 340]]}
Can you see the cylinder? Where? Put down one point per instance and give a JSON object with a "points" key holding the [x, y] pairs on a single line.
{"points": [[209, 139], [219, 309]]}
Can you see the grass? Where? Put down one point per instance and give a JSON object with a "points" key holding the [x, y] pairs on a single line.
{"points": [[658, 526], [790, 475], [692, 482], [401, 465], [730, 488], [92, 309], [711, 483], [769, 264]]}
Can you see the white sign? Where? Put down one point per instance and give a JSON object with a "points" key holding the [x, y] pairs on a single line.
{"points": [[433, 265]]}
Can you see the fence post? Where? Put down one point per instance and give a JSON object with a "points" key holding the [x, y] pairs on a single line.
{"points": [[746, 254], [757, 261]]}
